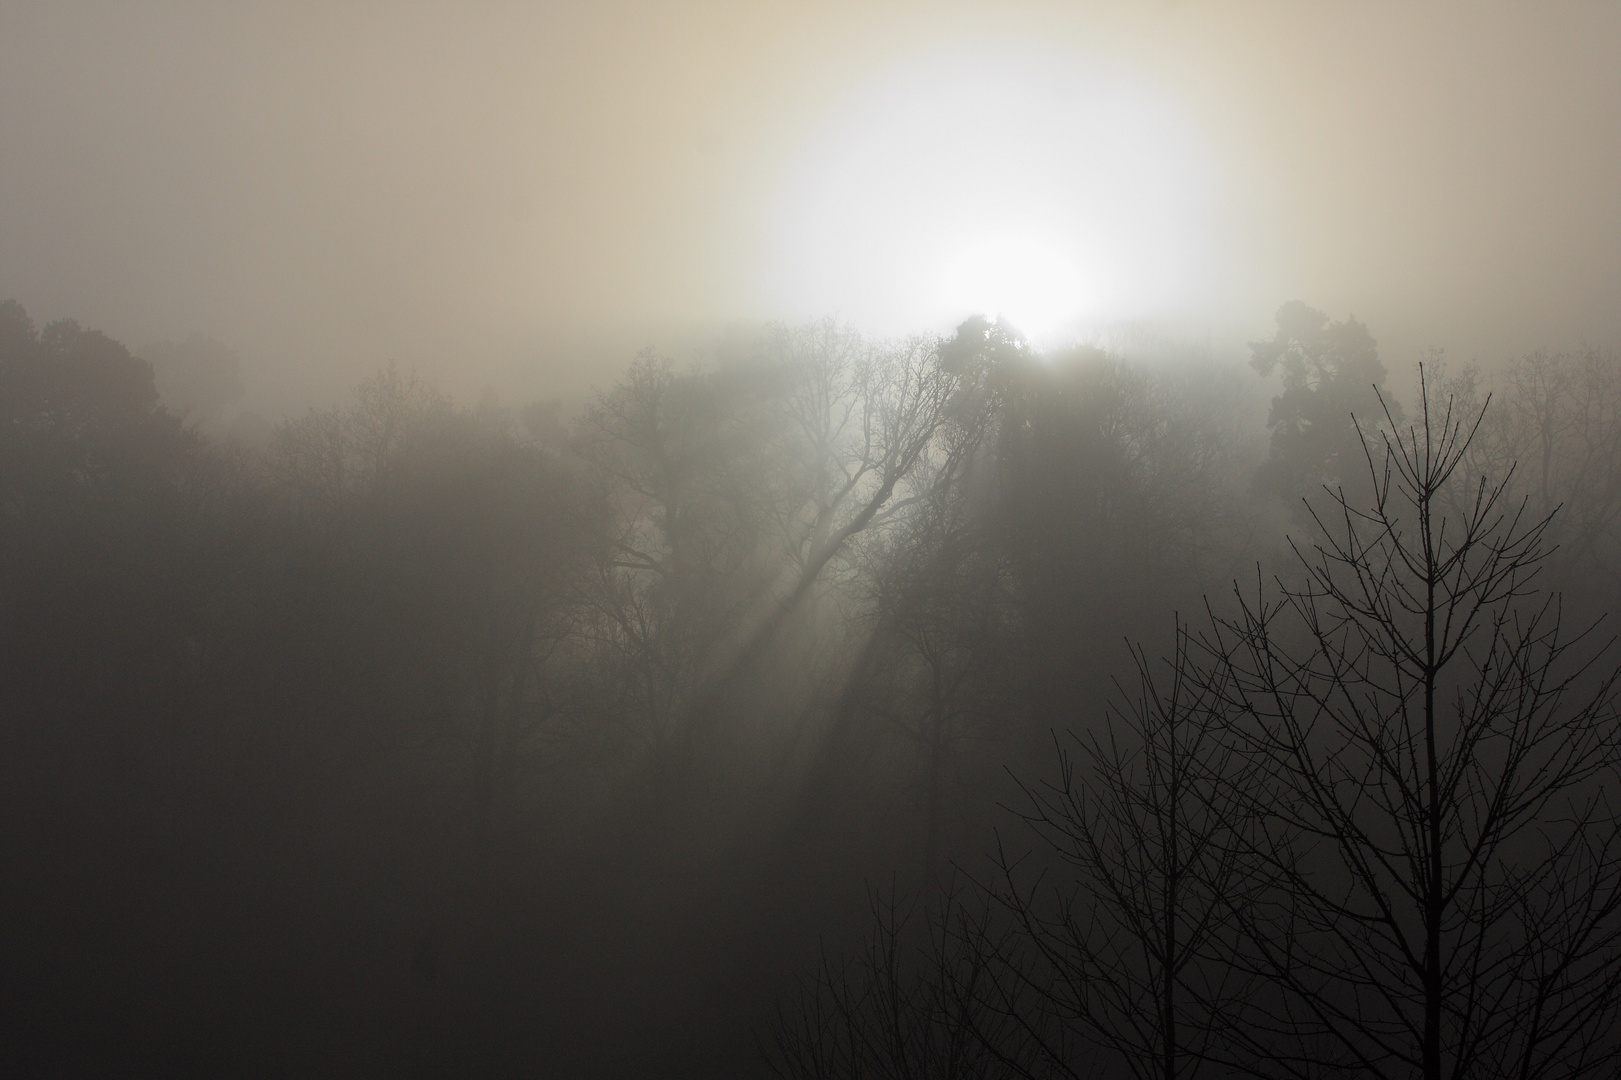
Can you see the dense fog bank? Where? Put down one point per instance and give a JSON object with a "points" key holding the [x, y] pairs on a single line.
{"points": [[413, 737]]}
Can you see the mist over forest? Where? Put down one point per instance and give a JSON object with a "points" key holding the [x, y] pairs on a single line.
{"points": [[803, 541]]}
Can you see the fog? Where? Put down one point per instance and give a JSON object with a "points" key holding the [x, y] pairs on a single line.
{"points": [[521, 195], [811, 540]]}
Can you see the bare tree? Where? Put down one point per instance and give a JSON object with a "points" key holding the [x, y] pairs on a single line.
{"points": [[878, 433], [1430, 761], [1128, 939], [685, 459], [744, 492], [1559, 416], [916, 1002], [940, 673]]}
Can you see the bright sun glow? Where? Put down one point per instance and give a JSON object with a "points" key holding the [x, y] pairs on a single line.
{"points": [[1032, 283], [985, 182]]}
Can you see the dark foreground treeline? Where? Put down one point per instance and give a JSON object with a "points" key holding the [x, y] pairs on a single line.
{"points": [[436, 741]]}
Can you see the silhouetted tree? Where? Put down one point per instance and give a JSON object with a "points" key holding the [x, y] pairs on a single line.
{"points": [[1431, 757], [1115, 498], [1127, 942], [1559, 416], [911, 1004], [745, 492], [1330, 371], [942, 645], [1365, 827], [876, 422], [688, 464], [78, 414]]}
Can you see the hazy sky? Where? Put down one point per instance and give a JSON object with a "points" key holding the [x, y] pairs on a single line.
{"points": [[522, 194]]}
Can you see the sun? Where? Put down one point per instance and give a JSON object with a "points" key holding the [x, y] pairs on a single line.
{"points": [[1050, 190], [1026, 280]]}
